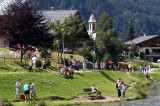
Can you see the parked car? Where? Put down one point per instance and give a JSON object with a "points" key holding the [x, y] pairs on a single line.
{"points": [[67, 50], [158, 61]]}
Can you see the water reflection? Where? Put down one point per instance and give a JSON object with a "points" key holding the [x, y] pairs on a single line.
{"points": [[153, 99]]}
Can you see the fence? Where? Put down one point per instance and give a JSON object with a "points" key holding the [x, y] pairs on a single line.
{"points": [[13, 61]]}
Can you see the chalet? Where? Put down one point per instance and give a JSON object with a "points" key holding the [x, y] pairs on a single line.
{"points": [[149, 44]]}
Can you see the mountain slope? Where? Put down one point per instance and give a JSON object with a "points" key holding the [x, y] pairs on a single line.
{"points": [[143, 14]]}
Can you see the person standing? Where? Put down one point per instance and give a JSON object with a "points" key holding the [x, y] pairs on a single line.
{"points": [[34, 61], [119, 90], [104, 66], [74, 63], [44, 64], [18, 88], [129, 67], [33, 90], [148, 68], [124, 88], [96, 65], [26, 88], [140, 68], [30, 66], [84, 63], [78, 64], [101, 65]]}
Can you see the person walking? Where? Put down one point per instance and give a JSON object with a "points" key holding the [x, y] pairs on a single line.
{"points": [[26, 88], [44, 64], [18, 88], [84, 63], [33, 90], [34, 61]]}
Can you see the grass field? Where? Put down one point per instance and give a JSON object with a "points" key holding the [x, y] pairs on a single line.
{"points": [[65, 88], [4, 49]]}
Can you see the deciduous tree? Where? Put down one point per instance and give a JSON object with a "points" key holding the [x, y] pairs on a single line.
{"points": [[23, 24]]}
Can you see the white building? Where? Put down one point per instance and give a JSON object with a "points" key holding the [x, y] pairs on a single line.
{"points": [[92, 27]]}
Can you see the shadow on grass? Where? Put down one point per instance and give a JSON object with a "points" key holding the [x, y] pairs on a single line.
{"points": [[108, 77]]}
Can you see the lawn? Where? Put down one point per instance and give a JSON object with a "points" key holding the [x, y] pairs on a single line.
{"points": [[65, 88], [4, 49], [77, 57], [156, 71]]}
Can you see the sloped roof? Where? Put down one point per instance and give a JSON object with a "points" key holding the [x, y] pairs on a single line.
{"points": [[54, 15], [141, 39], [92, 18], [4, 4]]}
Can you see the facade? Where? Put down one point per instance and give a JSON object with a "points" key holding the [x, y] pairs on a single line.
{"points": [[92, 27], [150, 45]]}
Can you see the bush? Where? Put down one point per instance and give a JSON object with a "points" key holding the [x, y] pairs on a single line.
{"points": [[71, 56], [140, 89], [39, 63], [45, 54], [86, 53], [48, 62], [154, 66]]}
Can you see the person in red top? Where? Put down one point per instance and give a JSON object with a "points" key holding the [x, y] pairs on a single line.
{"points": [[78, 64]]}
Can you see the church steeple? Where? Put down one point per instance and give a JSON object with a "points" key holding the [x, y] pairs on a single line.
{"points": [[92, 23]]}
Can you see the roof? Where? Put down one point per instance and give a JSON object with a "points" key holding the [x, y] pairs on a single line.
{"points": [[141, 39], [92, 18], [54, 15], [4, 4]]}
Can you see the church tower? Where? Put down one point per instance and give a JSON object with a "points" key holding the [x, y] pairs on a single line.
{"points": [[92, 26]]}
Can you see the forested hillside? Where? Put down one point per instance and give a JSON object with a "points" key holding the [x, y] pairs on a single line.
{"points": [[143, 14]]}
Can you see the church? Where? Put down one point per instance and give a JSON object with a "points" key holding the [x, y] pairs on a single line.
{"points": [[92, 27]]}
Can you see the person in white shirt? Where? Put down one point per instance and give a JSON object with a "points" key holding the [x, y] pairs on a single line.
{"points": [[119, 79], [95, 90], [18, 88], [129, 67], [84, 64], [33, 90], [119, 89], [34, 61]]}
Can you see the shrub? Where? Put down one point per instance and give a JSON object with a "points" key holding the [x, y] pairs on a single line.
{"points": [[48, 62], [71, 56], [86, 53], [140, 89], [154, 66], [45, 54], [39, 63]]}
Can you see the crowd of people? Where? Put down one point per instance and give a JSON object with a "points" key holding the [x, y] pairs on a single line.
{"points": [[29, 90]]}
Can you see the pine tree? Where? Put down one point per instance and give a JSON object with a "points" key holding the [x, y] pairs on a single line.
{"points": [[131, 33]]}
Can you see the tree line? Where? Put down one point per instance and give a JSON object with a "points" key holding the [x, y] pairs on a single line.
{"points": [[142, 14]]}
